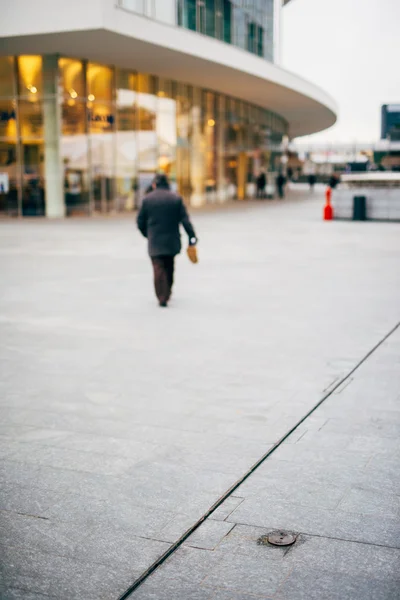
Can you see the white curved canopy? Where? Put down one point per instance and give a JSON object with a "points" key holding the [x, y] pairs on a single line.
{"points": [[127, 40]]}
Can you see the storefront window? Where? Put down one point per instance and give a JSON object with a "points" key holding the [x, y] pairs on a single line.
{"points": [[183, 129], [30, 115], [8, 178], [166, 127], [100, 83], [72, 78], [127, 147], [9, 164], [210, 128], [119, 128], [7, 76], [147, 134], [102, 149], [30, 80]]}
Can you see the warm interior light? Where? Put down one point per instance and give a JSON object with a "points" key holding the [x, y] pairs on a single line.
{"points": [[32, 89], [73, 94], [91, 97], [161, 94], [211, 122]]}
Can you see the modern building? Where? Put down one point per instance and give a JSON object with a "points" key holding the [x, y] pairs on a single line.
{"points": [[390, 122], [97, 96]]}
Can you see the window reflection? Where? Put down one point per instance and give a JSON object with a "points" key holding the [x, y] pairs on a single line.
{"points": [[72, 78], [8, 178], [30, 83], [166, 127], [101, 119], [7, 76], [147, 135], [248, 25], [127, 147], [118, 128], [74, 139]]}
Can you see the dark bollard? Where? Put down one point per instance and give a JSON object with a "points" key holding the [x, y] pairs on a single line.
{"points": [[359, 208]]}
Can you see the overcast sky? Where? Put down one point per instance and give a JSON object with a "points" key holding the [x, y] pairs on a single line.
{"points": [[350, 48]]}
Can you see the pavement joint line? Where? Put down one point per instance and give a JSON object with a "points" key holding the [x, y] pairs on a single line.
{"points": [[338, 539], [176, 545]]}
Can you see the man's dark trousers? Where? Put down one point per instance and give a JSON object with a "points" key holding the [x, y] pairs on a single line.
{"points": [[163, 267]]}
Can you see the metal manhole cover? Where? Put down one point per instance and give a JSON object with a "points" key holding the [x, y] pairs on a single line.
{"points": [[279, 538]]}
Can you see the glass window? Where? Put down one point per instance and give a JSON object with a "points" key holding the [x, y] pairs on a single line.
{"points": [[33, 189], [210, 18], [30, 83], [74, 143], [31, 118], [9, 177], [147, 135], [260, 41], [101, 117], [187, 14], [72, 78], [127, 147], [251, 37], [240, 26], [126, 100], [166, 129], [183, 127], [247, 24], [7, 76], [227, 16], [100, 82], [8, 118], [210, 128]]}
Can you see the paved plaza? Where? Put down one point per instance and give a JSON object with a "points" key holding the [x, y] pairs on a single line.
{"points": [[122, 424]]}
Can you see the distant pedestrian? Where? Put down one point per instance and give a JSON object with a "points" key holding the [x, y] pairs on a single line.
{"points": [[261, 182], [280, 184], [161, 214], [333, 181], [312, 181]]}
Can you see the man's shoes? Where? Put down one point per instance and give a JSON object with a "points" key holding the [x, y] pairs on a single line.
{"points": [[163, 304]]}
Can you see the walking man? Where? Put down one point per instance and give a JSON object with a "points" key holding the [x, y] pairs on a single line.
{"points": [[280, 184], [159, 218]]}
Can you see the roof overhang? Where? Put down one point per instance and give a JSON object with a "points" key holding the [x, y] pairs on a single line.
{"points": [[138, 43]]}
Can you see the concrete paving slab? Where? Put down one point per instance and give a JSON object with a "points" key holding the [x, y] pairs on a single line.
{"points": [[115, 402], [348, 550], [209, 534]]}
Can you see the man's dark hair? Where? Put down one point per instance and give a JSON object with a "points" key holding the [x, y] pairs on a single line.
{"points": [[161, 181]]}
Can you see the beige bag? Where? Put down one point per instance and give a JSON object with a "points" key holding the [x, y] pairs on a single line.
{"points": [[192, 254]]}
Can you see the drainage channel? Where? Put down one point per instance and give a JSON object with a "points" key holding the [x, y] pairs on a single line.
{"points": [[146, 574]]}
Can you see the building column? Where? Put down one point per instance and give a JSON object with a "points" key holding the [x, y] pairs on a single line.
{"points": [[53, 168]]}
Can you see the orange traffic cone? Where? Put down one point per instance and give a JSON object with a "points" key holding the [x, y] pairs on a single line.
{"points": [[328, 210]]}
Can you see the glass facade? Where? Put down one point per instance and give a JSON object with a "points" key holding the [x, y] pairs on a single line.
{"points": [[110, 130], [248, 24]]}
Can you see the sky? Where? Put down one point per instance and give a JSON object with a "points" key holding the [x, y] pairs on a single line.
{"points": [[351, 49]]}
